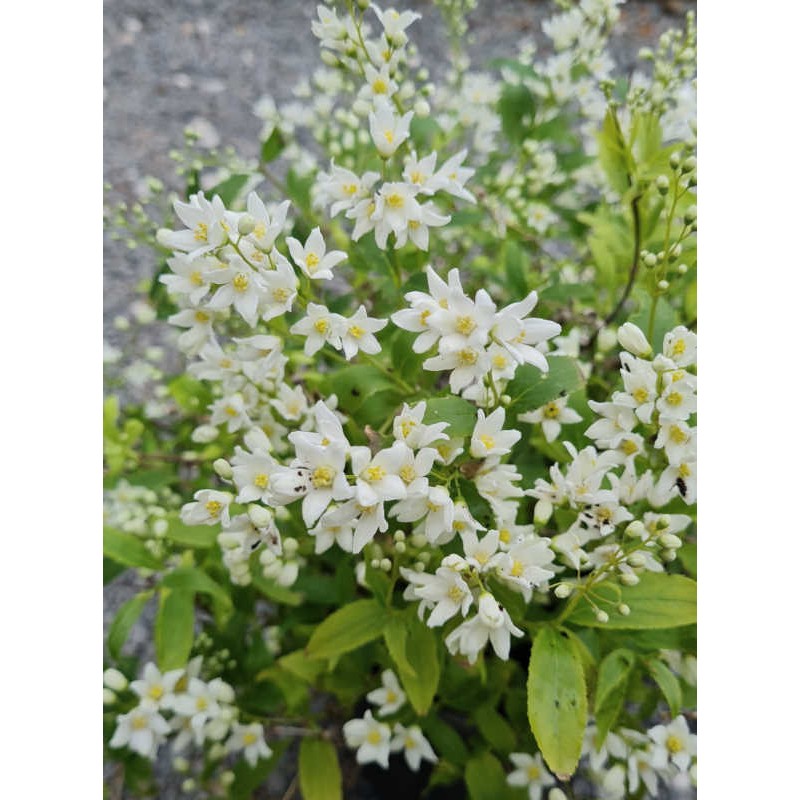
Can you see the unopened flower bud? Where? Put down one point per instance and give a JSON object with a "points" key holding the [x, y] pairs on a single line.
{"points": [[670, 541], [419, 566], [556, 794], [290, 546], [689, 165], [189, 785], [260, 517], [601, 616], [328, 58], [422, 108], [542, 511], [691, 215], [160, 528], [624, 609], [386, 565], [636, 559], [682, 269], [630, 578], [662, 184], [267, 558], [180, 764], [633, 340], [204, 434], [247, 225], [227, 778], [563, 590], [375, 563], [663, 285], [121, 323], [109, 698], [606, 339], [505, 399], [400, 547], [668, 555], [115, 680], [223, 469], [419, 539], [675, 160]]}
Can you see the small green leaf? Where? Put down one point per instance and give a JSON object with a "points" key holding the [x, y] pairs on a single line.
{"points": [[174, 630], [516, 272], [128, 550], [395, 635], [485, 778], [272, 147], [124, 620], [197, 536], [612, 154], [228, 190], [274, 591], [532, 388], [557, 705], [300, 665], [195, 580], [688, 557], [516, 108], [495, 729], [458, 413], [421, 654], [657, 601], [320, 775], [670, 686], [347, 629], [446, 741], [612, 679]]}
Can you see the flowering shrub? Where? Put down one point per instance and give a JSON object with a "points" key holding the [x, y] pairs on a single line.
{"points": [[426, 485]]}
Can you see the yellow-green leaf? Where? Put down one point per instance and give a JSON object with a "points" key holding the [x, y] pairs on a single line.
{"points": [[557, 705], [320, 776], [347, 629], [174, 631]]}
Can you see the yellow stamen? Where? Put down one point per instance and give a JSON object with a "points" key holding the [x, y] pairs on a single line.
{"points": [[322, 477]]}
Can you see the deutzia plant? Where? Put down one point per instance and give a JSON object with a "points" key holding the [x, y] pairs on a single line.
{"points": [[418, 485]]}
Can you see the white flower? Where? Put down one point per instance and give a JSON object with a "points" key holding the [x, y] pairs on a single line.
{"points": [[266, 227], [206, 223], [395, 23], [435, 506], [379, 85], [552, 416], [673, 742], [489, 438], [531, 773], [526, 564], [290, 403], [343, 188], [677, 401], [377, 477], [319, 326], [387, 130], [209, 508], [241, 287], [468, 364], [491, 623], [155, 687], [358, 333], [141, 730], [414, 745], [324, 467], [328, 530], [446, 591], [521, 335], [232, 411], [280, 288], [250, 739], [680, 344], [372, 738], [390, 697], [312, 257]]}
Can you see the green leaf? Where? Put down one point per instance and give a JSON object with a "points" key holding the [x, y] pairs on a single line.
{"points": [[516, 108], [657, 601], [485, 778], [195, 580], [271, 148], [666, 319], [458, 413], [557, 706], [121, 626], [347, 629], [495, 729], [532, 388], [228, 190], [516, 273], [128, 550], [276, 592], [320, 776], [612, 680], [190, 394], [300, 665], [174, 631], [670, 686], [688, 557], [249, 778], [395, 635], [612, 153], [418, 649], [446, 741], [196, 536]]}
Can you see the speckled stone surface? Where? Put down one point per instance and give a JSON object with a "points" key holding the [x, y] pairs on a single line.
{"points": [[168, 64]]}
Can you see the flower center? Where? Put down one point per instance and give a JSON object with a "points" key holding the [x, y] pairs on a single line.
{"points": [[312, 260], [321, 325], [322, 477], [139, 722], [261, 480], [674, 744], [467, 357], [408, 473], [201, 232], [487, 441], [241, 282], [214, 507], [395, 200], [196, 278], [356, 331], [641, 395], [552, 411], [374, 473], [517, 568], [465, 325], [248, 739], [374, 737]]}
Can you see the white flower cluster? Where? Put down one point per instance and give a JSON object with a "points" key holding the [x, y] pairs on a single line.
{"points": [[658, 399], [138, 509], [375, 740], [189, 711], [479, 345], [629, 761], [398, 207]]}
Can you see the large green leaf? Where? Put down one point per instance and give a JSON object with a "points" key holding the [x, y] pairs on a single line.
{"points": [[127, 615], [557, 705], [320, 775], [347, 629], [274, 591], [196, 536], [414, 650], [532, 388], [128, 550], [612, 680], [612, 153], [485, 778], [229, 189], [446, 741], [657, 601], [458, 413], [174, 631], [495, 729], [272, 147]]}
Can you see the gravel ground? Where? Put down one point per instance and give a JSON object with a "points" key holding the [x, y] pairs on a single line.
{"points": [[170, 64]]}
